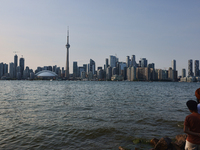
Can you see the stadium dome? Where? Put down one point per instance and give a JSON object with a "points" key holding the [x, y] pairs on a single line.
{"points": [[46, 73]]}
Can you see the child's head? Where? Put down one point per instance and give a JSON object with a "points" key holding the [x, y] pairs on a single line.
{"points": [[192, 105], [197, 94]]}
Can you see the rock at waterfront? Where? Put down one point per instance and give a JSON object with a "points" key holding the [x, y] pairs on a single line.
{"points": [[154, 141], [163, 144], [179, 144]]}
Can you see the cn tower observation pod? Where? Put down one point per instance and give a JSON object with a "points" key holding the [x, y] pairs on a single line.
{"points": [[46, 74]]}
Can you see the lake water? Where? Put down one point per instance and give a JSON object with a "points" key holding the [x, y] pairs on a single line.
{"points": [[89, 115]]}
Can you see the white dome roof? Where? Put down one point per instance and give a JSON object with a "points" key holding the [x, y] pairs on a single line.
{"points": [[46, 73]]}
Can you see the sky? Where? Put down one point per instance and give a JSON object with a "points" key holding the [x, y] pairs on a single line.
{"points": [[159, 31]]}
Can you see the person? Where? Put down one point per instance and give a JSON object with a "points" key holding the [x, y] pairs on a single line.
{"points": [[192, 127], [197, 94]]}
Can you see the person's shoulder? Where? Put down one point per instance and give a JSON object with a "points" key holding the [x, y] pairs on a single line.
{"points": [[192, 115]]}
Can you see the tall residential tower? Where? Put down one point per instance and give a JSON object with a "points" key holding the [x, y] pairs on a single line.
{"points": [[67, 59]]}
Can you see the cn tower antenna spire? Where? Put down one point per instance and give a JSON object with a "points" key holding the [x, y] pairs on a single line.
{"points": [[67, 59]]}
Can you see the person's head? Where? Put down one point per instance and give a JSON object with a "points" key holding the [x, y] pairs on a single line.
{"points": [[192, 105], [197, 94]]}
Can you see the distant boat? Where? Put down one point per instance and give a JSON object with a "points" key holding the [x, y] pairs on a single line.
{"points": [[51, 79]]}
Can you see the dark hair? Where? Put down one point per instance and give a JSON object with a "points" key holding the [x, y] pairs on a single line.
{"points": [[192, 105]]}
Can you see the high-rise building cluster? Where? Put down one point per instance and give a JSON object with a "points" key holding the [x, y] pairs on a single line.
{"points": [[130, 70], [16, 71], [192, 76], [113, 69]]}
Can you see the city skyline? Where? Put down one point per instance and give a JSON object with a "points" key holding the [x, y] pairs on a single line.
{"points": [[158, 31]]}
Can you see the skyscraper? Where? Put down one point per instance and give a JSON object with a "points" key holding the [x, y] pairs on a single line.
{"points": [[106, 64], [183, 73], [92, 66], [133, 62], [190, 72], [67, 59], [127, 61], [174, 65], [143, 62], [15, 65], [196, 68], [11, 70], [1, 69], [85, 67], [75, 69], [21, 64], [113, 61]]}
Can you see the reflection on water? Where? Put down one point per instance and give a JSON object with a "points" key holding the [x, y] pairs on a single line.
{"points": [[89, 115]]}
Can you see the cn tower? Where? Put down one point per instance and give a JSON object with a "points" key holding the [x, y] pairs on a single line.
{"points": [[67, 59]]}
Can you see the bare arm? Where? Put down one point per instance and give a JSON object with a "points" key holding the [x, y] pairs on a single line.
{"points": [[187, 130]]}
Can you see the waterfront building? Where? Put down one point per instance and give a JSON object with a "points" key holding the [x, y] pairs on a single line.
{"points": [[85, 67], [19, 75], [58, 71], [92, 66], [183, 73], [129, 73], [174, 76], [11, 70], [159, 74], [165, 74], [45, 68], [139, 65], [90, 76], [133, 62], [18, 69], [173, 64], [127, 61], [21, 64], [49, 68], [106, 64], [100, 74], [5, 69], [46, 74], [170, 73], [142, 73], [54, 68], [83, 75], [121, 67], [143, 62], [32, 76], [62, 72], [67, 57], [133, 73], [15, 65], [190, 72], [113, 61], [114, 71], [38, 70], [124, 73], [152, 65], [196, 68], [75, 69], [80, 70], [109, 73], [25, 74], [152, 74], [1, 69]]}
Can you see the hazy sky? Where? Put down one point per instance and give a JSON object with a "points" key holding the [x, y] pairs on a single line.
{"points": [[159, 31]]}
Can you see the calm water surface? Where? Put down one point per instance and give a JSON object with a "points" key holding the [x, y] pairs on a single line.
{"points": [[90, 115]]}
